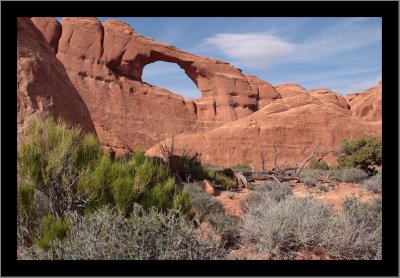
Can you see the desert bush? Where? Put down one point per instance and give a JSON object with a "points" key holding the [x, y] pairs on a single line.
{"points": [[226, 226], [314, 164], [359, 233], [309, 181], [360, 153], [166, 196], [219, 180], [349, 175], [145, 235], [269, 194], [51, 229], [288, 226], [317, 174], [323, 188], [52, 159], [374, 183], [202, 202], [242, 166]]}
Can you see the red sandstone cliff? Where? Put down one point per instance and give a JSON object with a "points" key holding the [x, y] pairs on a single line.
{"points": [[237, 117]]}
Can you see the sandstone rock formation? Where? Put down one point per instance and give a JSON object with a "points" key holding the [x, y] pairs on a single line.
{"points": [[290, 90], [42, 83], [293, 123], [50, 28], [105, 63], [238, 116], [367, 105]]}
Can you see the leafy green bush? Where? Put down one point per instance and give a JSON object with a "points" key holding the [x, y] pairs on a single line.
{"points": [[219, 180], [166, 196], [360, 153], [52, 160], [51, 229], [350, 175], [145, 235], [314, 164], [242, 166]]}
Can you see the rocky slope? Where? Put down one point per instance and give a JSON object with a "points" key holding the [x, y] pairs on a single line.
{"points": [[90, 72]]}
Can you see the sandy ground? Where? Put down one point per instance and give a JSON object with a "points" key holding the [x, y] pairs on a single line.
{"points": [[334, 195]]}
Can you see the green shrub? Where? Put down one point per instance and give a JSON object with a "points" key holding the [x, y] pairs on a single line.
{"points": [[51, 229], [96, 186], [242, 166], [182, 201], [25, 200], [52, 159], [314, 164], [350, 175], [360, 153], [219, 180], [106, 235]]}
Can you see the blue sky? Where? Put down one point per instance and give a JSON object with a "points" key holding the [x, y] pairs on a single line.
{"points": [[342, 54]]}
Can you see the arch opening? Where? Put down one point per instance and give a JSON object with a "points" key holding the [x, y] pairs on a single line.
{"points": [[171, 77]]}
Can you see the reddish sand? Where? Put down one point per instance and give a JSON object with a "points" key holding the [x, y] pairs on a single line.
{"points": [[335, 196]]}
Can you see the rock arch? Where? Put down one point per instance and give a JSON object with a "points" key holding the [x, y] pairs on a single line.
{"points": [[105, 62], [171, 77]]}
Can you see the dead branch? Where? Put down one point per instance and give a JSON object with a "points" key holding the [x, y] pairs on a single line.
{"points": [[242, 181], [308, 158], [321, 156], [167, 151]]}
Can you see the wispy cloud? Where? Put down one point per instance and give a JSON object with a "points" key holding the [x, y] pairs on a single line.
{"points": [[257, 50]]}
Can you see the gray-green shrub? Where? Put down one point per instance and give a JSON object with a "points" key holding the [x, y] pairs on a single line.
{"points": [[374, 183], [291, 225], [145, 235], [359, 231], [350, 175]]}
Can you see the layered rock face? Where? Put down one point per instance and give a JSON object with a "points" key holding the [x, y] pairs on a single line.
{"points": [[367, 105], [42, 84], [98, 84], [105, 63], [294, 124]]}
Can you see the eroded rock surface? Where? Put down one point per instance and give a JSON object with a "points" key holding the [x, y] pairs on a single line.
{"points": [[237, 118], [367, 105], [295, 124], [105, 63], [42, 84]]}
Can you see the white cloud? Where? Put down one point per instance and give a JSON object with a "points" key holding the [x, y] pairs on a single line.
{"points": [[256, 50]]}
